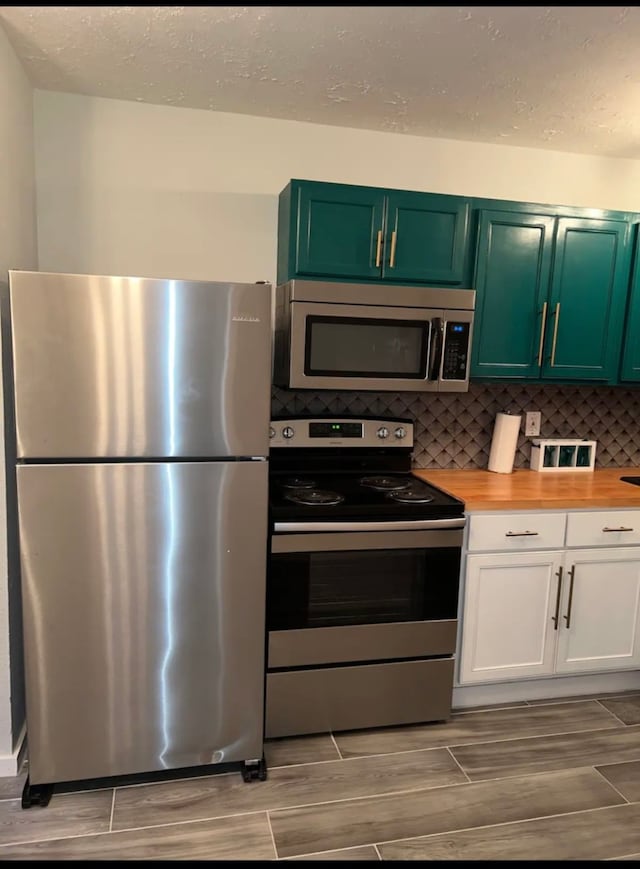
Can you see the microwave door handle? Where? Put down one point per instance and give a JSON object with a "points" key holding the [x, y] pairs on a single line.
{"points": [[435, 355]]}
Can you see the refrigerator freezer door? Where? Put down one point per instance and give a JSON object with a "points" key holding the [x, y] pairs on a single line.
{"points": [[143, 592], [136, 367]]}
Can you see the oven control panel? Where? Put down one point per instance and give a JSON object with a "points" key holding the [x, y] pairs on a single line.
{"points": [[340, 432]]}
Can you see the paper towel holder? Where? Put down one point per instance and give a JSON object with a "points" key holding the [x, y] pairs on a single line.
{"points": [[504, 442]]}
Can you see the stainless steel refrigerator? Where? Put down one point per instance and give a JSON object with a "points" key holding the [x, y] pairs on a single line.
{"points": [[141, 436]]}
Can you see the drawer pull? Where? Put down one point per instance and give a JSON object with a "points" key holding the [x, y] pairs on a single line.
{"points": [[521, 534], [622, 528]]}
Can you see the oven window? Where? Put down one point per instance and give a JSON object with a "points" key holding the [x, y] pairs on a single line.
{"points": [[323, 589], [348, 346]]}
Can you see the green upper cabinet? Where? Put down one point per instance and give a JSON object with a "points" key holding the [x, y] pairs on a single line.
{"points": [[339, 231], [512, 279], [630, 369], [551, 295], [587, 299], [426, 237], [347, 232]]}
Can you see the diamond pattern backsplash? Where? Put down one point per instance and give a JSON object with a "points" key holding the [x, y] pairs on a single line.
{"points": [[454, 430]]}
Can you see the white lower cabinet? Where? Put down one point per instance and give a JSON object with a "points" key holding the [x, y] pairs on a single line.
{"points": [[507, 632], [545, 613], [599, 610]]}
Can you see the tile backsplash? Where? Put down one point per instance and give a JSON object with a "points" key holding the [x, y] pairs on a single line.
{"points": [[454, 430]]}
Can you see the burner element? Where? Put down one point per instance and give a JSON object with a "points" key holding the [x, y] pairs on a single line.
{"points": [[410, 497], [298, 483], [385, 484], [313, 497]]}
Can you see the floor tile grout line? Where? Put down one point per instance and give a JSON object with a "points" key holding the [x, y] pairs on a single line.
{"points": [[337, 746], [498, 708], [553, 702], [376, 844], [287, 808], [611, 785], [113, 805], [493, 741], [522, 774], [326, 851], [171, 781], [273, 838], [302, 806], [500, 824], [455, 760], [617, 717], [377, 852]]}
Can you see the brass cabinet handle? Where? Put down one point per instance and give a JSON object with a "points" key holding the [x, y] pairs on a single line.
{"points": [[556, 618], [521, 534], [567, 618], [544, 323], [379, 248], [555, 334], [392, 257], [617, 529]]}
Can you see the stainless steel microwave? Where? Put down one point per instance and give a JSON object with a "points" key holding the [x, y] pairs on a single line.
{"points": [[372, 337]]}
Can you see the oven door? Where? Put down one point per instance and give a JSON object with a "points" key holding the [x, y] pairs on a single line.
{"points": [[335, 346], [355, 596]]}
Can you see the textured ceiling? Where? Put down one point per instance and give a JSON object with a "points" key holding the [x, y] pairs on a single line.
{"points": [[565, 78]]}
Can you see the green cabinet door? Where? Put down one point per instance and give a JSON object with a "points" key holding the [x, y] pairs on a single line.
{"points": [[513, 263], [426, 237], [587, 299], [339, 230], [630, 369]]}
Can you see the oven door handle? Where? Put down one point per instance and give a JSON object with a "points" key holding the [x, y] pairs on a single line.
{"points": [[408, 525]]}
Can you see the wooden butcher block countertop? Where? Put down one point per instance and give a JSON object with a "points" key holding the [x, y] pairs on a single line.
{"points": [[534, 490]]}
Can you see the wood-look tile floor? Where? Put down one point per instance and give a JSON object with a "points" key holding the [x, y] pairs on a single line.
{"points": [[539, 781]]}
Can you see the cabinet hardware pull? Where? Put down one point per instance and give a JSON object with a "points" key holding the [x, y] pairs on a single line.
{"points": [[521, 534], [392, 258], [544, 323], [556, 618], [379, 248], [622, 528], [567, 618], [555, 334]]}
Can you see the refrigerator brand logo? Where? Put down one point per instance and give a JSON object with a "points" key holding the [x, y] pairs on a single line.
{"points": [[243, 319]]}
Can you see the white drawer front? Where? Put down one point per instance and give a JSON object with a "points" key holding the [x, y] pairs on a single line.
{"points": [[604, 528], [516, 531]]}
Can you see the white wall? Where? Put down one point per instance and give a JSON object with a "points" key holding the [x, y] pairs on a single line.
{"points": [[130, 188], [18, 250]]}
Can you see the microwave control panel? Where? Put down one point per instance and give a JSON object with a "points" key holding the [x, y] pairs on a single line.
{"points": [[456, 351]]}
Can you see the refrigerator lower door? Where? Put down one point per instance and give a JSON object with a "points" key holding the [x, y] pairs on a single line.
{"points": [[143, 597]]}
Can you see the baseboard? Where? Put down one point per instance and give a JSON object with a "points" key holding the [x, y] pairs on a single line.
{"points": [[10, 764], [544, 689]]}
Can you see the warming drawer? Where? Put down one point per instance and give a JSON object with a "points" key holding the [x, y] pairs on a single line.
{"points": [[349, 698]]}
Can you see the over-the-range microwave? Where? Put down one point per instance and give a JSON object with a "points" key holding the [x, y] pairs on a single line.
{"points": [[372, 337]]}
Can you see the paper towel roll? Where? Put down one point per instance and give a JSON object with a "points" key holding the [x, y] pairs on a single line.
{"points": [[504, 443]]}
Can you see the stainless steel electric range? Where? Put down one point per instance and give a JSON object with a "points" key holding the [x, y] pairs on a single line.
{"points": [[362, 582]]}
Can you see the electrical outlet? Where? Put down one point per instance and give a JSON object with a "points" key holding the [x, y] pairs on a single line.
{"points": [[532, 423]]}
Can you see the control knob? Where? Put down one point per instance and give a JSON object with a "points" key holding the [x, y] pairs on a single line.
{"points": [[272, 432], [400, 432], [383, 432], [288, 432]]}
